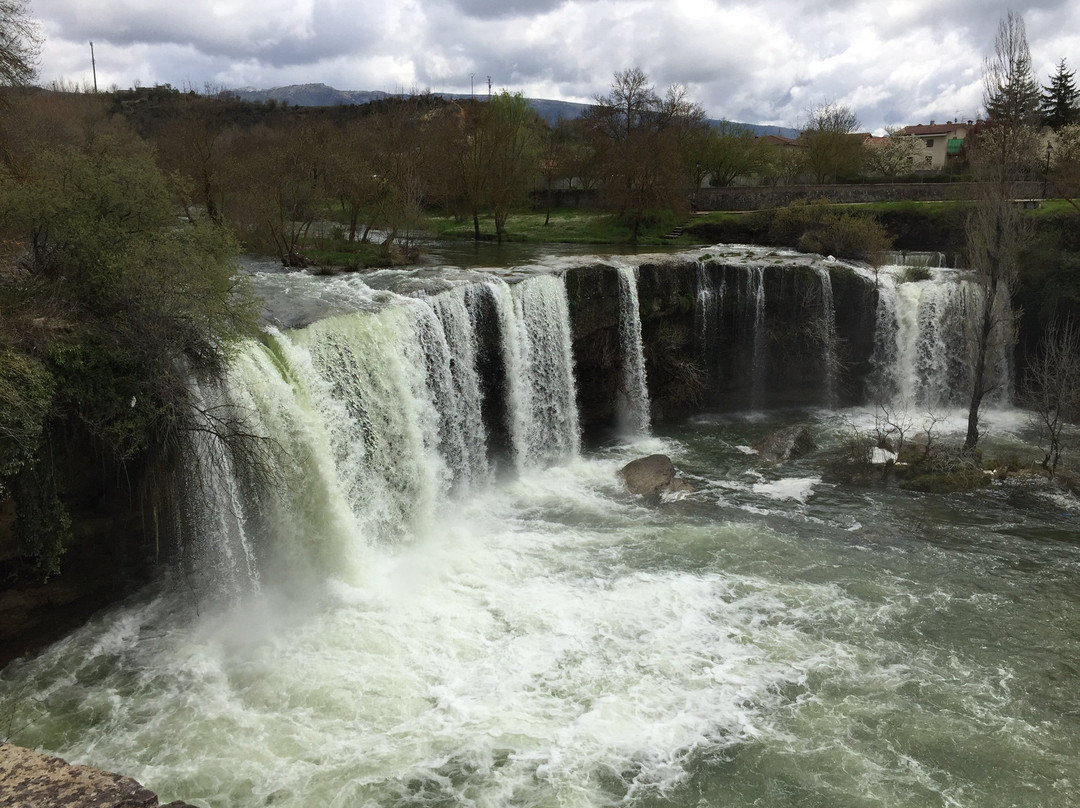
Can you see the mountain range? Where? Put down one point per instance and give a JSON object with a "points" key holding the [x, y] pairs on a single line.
{"points": [[321, 95]]}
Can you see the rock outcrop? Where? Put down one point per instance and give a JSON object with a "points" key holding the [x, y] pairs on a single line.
{"points": [[652, 477], [786, 444], [30, 779]]}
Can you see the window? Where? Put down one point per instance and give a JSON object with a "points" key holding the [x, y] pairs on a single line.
{"points": [[929, 143]]}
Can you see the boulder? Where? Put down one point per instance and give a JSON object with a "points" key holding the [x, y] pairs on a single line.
{"points": [[29, 778], [786, 444], [653, 476]]}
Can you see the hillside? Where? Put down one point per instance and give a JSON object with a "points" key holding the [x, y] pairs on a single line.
{"points": [[321, 95]]}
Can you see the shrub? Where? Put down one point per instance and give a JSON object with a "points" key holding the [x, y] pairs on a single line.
{"points": [[913, 274]]}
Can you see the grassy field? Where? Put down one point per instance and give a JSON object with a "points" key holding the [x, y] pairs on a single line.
{"points": [[566, 226]]}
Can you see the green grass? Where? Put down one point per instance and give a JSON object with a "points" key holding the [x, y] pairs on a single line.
{"points": [[566, 226], [350, 255]]}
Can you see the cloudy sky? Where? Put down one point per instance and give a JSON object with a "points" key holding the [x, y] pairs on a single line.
{"points": [[758, 61]]}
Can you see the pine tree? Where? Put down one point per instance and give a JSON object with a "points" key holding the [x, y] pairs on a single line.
{"points": [[1060, 99]]}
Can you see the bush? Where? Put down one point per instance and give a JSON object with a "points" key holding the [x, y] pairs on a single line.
{"points": [[822, 228], [914, 274]]}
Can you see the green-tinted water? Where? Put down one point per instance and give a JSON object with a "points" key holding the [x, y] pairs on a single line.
{"points": [[774, 639]]}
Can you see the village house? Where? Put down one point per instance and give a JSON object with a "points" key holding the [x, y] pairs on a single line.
{"points": [[939, 142]]}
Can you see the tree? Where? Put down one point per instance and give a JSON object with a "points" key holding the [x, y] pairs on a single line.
{"points": [[20, 44], [1065, 169], [729, 151], [831, 149], [353, 175], [1010, 92], [641, 143], [1002, 154], [895, 156], [1052, 388], [996, 235], [1060, 99], [278, 189], [509, 131], [110, 305]]}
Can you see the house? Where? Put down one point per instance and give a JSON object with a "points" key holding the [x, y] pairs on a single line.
{"points": [[939, 142]]}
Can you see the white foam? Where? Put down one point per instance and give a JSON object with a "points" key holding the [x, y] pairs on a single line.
{"points": [[797, 488]]}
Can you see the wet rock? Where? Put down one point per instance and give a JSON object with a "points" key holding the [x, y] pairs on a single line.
{"points": [[786, 444], [29, 778], [653, 476]]}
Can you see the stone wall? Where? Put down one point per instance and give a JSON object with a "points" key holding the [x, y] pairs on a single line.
{"points": [[761, 197]]}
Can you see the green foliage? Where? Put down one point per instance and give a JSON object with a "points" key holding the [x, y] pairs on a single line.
{"points": [[821, 228], [914, 274], [1060, 103], [42, 521], [111, 302], [966, 479], [26, 393]]}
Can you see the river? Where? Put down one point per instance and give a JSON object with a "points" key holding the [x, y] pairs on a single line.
{"points": [[420, 630]]}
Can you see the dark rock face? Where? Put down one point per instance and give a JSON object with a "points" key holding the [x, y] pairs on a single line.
{"points": [[29, 779], [593, 297], [728, 333]]}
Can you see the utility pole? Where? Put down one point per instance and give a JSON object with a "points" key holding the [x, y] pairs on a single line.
{"points": [[472, 92], [93, 65], [489, 86]]}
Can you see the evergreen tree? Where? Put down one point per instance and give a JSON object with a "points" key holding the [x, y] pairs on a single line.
{"points": [[1060, 99], [1011, 93]]}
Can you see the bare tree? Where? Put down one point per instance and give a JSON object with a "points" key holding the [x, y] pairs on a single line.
{"points": [[20, 44], [640, 142], [996, 233], [1001, 156], [1052, 388]]}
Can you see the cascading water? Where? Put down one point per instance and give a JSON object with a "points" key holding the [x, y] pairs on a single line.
{"points": [[462, 409], [633, 404], [218, 531], [828, 335], [755, 280], [925, 339], [708, 310]]}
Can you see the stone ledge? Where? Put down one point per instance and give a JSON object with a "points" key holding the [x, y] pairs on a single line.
{"points": [[30, 779]]}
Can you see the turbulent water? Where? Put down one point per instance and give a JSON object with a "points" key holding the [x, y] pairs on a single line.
{"points": [[393, 621]]}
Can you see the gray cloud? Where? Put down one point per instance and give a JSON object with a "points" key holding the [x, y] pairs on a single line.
{"points": [[901, 62]]}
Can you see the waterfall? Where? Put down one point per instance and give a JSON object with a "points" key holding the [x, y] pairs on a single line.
{"points": [[462, 408], [633, 404], [828, 335], [926, 333], [218, 532], [915, 258], [708, 311], [372, 420], [548, 418], [755, 280]]}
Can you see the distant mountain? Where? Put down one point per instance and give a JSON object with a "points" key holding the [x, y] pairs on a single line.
{"points": [[320, 95]]}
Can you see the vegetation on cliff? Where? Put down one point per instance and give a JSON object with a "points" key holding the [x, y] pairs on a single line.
{"points": [[110, 303]]}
